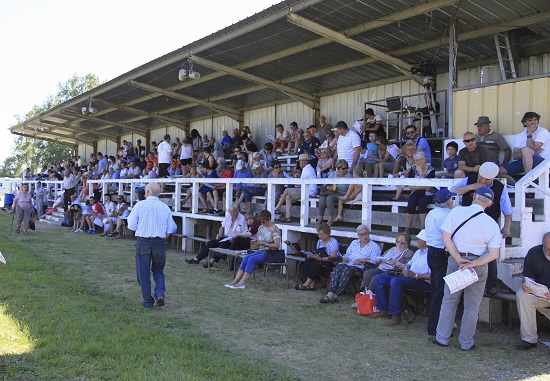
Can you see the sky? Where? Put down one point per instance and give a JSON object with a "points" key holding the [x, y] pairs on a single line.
{"points": [[44, 43]]}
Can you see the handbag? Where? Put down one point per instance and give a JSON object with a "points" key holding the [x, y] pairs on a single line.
{"points": [[366, 304], [328, 190], [275, 256], [32, 225]]}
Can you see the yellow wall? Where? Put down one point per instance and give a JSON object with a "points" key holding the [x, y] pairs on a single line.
{"points": [[504, 105]]}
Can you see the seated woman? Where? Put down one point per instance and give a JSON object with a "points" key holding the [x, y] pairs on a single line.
{"points": [[329, 193], [389, 289], [354, 193], [281, 138], [233, 225], [269, 238], [324, 164], [327, 251], [403, 165], [420, 197], [400, 252], [360, 252], [193, 173]]}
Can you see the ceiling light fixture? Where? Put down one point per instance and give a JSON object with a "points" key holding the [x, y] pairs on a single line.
{"points": [[185, 73], [88, 109]]}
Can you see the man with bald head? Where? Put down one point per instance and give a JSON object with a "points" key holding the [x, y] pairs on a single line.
{"points": [[471, 157], [151, 219]]}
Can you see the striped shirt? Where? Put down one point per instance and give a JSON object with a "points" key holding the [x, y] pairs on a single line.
{"points": [[69, 182], [151, 218]]}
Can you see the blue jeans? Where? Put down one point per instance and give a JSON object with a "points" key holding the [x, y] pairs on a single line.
{"points": [[250, 261], [150, 257], [437, 261], [251, 191], [396, 286]]}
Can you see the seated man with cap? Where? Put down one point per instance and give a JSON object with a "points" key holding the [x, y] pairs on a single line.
{"points": [[294, 194], [492, 140], [501, 203], [390, 289]]}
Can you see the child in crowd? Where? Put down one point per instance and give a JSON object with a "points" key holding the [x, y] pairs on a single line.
{"points": [[450, 164], [372, 151]]}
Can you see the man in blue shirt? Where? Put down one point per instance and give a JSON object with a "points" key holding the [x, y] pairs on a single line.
{"points": [[420, 142], [151, 219]]}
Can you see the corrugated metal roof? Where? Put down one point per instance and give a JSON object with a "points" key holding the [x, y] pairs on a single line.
{"points": [[268, 46]]}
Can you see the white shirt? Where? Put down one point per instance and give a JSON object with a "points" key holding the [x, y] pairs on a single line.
{"points": [[186, 152], [434, 219], [165, 152], [419, 262], [308, 172], [478, 234], [110, 209], [239, 227], [151, 218], [346, 146], [541, 135]]}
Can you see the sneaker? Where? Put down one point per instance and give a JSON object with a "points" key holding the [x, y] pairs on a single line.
{"points": [[354, 306], [192, 261], [78, 230], [91, 231]]}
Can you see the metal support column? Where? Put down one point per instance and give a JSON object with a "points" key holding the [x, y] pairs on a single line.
{"points": [[453, 44]]}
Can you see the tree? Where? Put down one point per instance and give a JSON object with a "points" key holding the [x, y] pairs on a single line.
{"points": [[34, 153]]}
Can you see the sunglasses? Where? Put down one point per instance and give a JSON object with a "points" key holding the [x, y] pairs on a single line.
{"points": [[411, 132], [469, 140], [346, 168], [277, 167]]}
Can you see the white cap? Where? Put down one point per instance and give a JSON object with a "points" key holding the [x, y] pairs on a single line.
{"points": [[488, 170], [422, 235]]}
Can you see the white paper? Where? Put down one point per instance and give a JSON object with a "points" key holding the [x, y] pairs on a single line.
{"points": [[537, 289], [2, 259], [98, 222], [357, 125], [460, 279], [383, 259], [225, 239]]}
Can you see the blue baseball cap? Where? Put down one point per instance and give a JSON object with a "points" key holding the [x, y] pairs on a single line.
{"points": [[443, 195], [486, 192]]}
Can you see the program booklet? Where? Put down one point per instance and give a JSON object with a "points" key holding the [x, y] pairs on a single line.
{"points": [[460, 279], [537, 289]]}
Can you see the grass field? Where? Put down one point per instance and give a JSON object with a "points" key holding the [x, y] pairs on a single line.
{"points": [[69, 310]]}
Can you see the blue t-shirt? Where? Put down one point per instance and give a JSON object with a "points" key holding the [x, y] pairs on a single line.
{"points": [[423, 143], [372, 150], [450, 165]]}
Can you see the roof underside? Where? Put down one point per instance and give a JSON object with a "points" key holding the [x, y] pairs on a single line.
{"points": [[267, 59]]}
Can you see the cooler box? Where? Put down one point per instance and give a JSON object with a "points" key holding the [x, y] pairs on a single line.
{"points": [[8, 198]]}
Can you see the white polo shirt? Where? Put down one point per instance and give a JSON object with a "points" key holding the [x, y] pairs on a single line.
{"points": [[346, 146], [434, 219], [477, 235]]}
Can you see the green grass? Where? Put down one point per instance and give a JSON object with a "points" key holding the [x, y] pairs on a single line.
{"points": [[69, 310]]}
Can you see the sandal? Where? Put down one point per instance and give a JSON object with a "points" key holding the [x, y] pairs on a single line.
{"points": [[325, 299], [284, 219], [338, 219], [17, 231], [301, 287]]}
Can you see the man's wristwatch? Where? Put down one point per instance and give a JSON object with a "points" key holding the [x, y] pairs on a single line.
{"points": [[529, 136]]}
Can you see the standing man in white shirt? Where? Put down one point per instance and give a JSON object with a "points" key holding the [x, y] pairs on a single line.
{"points": [[152, 221], [349, 145], [532, 148], [472, 239], [165, 156]]}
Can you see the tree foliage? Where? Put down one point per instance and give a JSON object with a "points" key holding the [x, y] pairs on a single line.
{"points": [[34, 153]]}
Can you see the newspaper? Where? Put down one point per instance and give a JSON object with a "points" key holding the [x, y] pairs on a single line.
{"points": [[537, 289], [460, 279]]}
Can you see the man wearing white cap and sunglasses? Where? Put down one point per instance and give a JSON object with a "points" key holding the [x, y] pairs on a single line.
{"points": [[501, 203]]}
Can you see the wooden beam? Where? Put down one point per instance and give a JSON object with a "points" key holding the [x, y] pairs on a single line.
{"points": [[302, 96], [232, 113], [100, 120], [136, 111], [68, 127], [352, 44]]}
